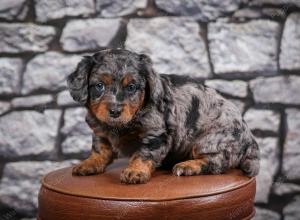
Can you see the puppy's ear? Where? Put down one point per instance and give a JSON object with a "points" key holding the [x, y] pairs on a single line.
{"points": [[153, 80], [78, 80]]}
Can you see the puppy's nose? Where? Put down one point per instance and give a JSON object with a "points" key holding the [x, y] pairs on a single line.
{"points": [[115, 111]]}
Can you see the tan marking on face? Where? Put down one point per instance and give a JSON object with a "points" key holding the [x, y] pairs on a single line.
{"points": [[99, 109], [106, 78], [130, 109], [126, 80]]}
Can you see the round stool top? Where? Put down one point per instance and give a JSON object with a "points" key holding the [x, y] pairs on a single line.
{"points": [[163, 186]]}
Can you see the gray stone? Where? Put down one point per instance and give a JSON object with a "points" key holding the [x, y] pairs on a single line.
{"points": [[89, 34], [265, 120], [79, 144], [290, 166], [181, 52], [248, 13], [259, 12], [281, 89], [290, 44], [268, 167], [264, 214], [13, 9], [64, 98], [245, 14], [244, 48], [274, 13], [74, 122], [200, 9], [293, 132], [19, 37], [281, 189], [291, 152], [78, 136], [10, 71], [49, 71], [4, 107], [31, 101], [116, 8], [28, 133], [288, 3], [235, 88], [54, 9], [292, 211], [21, 182]]}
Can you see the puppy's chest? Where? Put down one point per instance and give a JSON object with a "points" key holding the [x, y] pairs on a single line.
{"points": [[125, 143]]}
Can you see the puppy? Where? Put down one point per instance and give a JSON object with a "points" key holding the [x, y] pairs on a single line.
{"points": [[157, 120]]}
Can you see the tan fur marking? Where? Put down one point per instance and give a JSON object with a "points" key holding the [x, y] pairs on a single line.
{"points": [[189, 167], [138, 171], [96, 163], [137, 163], [99, 109], [195, 154], [131, 108], [106, 78], [127, 79]]}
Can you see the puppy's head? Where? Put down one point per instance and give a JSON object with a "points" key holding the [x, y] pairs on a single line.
{"points": [[114, 84]]}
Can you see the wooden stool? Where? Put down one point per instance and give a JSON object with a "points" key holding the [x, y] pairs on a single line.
{"points": [[216, 197]]}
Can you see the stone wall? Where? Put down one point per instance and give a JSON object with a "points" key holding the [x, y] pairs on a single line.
{"points": [[248, 50]]}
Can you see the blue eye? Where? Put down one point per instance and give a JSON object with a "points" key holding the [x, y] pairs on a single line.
{"points": [[100, 87], [131, 88]]}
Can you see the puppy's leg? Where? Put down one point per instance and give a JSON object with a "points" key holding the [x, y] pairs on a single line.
{"points": [[213, 152], [205, 164], [154, 149], [100, 157], [220, 150], [205, 160], [250, 162], [190, 167], [138, 170]]}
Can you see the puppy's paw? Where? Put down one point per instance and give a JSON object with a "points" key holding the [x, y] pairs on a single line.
{"points": [[134, 176], [87, 168], [186, 169]]}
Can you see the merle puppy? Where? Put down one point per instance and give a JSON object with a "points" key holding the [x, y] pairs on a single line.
{"points": [[157, 120]]}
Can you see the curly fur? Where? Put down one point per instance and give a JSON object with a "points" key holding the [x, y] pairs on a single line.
{"points": [[179, 122]]}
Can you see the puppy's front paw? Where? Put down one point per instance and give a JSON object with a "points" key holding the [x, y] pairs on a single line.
{"points": [[134, 176], [87, 168]]}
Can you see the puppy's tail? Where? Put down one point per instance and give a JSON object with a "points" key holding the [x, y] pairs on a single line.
{"points": [[250, 163]]}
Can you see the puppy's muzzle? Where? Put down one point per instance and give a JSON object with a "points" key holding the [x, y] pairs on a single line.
{"points": [[115, 110]]}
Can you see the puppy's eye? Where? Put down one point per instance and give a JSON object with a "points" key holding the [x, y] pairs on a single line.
{"points": [[100, 87], [131, 88]]}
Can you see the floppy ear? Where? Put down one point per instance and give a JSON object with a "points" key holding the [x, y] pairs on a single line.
{"points": [[152, 78], [78, 80]]}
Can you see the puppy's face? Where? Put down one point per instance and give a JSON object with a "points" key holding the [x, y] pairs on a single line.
{"points": [[116, 88]]}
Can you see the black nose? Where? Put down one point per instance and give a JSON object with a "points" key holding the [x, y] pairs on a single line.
{"points": [[115, 112]]}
